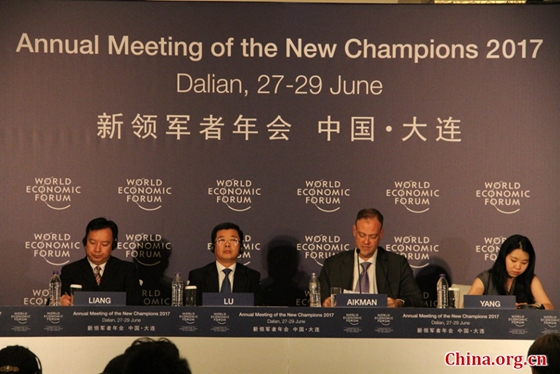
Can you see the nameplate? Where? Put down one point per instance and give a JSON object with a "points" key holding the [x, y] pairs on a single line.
{"points": [[365, 300], [489, 302], [99, 298], [228, 299]]}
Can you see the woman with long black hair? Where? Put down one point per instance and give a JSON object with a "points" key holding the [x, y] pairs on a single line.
{"points": [[513, 273]]}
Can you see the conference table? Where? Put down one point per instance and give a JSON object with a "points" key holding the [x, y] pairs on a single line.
{"points": [[82, 339]]}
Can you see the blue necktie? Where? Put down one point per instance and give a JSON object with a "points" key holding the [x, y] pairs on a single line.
{"points": [[226, 284], [362, 285]]}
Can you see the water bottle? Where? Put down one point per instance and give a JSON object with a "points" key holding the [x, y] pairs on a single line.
{"points": [[54, 289], [314, 292], [177, 290], [442, 292]]}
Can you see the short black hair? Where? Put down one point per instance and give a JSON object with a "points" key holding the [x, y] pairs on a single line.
{"points": [[370, 213], [227, 226], [149, 356], [99, 224], [16, 356], [549, 346]]}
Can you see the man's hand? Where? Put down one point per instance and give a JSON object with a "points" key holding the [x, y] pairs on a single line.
{"points": [[394, 303], [66, 300]]}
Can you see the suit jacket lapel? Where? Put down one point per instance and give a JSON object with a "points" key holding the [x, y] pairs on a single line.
{"points": [[239, 279], [381, 268], [87, 273], [108, 274], [347, 270], [212, 278]]}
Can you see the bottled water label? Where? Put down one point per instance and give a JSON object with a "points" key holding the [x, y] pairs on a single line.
{"points": [[442, 292], [314, 292], [177, 291], [54, 290]]}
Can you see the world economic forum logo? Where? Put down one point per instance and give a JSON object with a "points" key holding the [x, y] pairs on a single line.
{"points": [[56, 193], [550, 321], [416, 249], [519, 320], [249, 248], [53, 317], [415, 196], [384, 319], [146, 249], [505, 197], [320, 247], [21, 317], [54, 248], [353, 319], [325, 195], [146, 193], [490, 247], [236, 194]]}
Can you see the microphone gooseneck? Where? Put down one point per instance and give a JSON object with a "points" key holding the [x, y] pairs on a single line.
{"points": [[358, 267]]}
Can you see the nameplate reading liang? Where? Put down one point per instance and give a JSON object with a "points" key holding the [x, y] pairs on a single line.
{"points": [[365, 300], [100, 298], [228, 299], [489, 302]]}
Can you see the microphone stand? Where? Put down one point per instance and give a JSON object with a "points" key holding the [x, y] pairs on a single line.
{"points": [[359, 272]]}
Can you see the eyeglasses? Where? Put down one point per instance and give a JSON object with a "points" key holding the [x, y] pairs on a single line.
{"points": [[232, 241]]}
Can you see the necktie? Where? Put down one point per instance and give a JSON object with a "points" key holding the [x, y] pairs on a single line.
{"points": [[226, 284], [362, 285], [97, 273]]}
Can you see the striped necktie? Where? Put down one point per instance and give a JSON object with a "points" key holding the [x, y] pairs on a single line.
{"points": [[97, 273]]}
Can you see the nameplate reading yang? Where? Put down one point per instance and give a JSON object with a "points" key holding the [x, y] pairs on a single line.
{"points": [[489, 302]]}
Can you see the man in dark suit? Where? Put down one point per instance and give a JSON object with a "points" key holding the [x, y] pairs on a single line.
{"points": [[227, 245], [379, 271], [99, 271]]}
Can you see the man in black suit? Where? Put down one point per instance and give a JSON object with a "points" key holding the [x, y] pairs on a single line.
{"points": [[386, 273], [227, 245], [99, 271]]}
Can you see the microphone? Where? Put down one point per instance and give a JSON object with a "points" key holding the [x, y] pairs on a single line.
{"points": [[358, 267]]}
